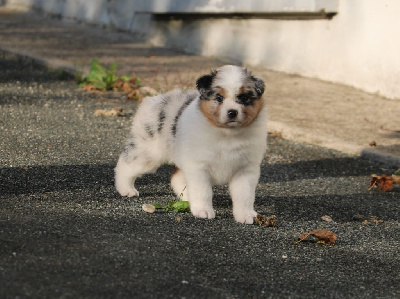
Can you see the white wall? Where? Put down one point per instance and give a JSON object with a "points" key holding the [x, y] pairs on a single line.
{"points": [[360, 46]]}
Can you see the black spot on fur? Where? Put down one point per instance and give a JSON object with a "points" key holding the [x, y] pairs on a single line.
{"points": [[209, 94], [204, 83], [129, 146], [184, 106], [161, 117], [149, 130], [259, 86], [247, 98]]}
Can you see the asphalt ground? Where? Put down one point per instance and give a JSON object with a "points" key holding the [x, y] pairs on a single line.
{"points": [[66, 233]]}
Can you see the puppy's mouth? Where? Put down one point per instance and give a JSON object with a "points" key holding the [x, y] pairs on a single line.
{"points": [[232, 124]]}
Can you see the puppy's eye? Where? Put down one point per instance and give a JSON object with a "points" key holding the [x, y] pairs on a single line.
{"points": [[246, 98], [243, 97], [219, 98]]}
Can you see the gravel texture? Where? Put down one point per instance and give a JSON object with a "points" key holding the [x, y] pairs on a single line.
{"points": [[65, 232]]}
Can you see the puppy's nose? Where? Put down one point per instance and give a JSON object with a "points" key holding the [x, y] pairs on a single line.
{"points": [[232, 113]]}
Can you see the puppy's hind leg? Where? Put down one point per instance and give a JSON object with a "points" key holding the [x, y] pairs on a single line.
{"points": [[126, 172], [125, 176], [178, 184]]}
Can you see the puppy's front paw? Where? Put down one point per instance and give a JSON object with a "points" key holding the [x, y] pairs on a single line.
{"points": [[203, 213], [245, 217], [128, 192]]}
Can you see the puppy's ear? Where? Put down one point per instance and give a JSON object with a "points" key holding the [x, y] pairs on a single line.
{"points": [[259, 86], [204, 83]]}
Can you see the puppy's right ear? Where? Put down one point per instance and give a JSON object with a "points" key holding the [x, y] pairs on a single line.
{"points": [[204, 83]]}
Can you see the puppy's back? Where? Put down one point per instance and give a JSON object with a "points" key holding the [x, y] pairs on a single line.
{"points": [[155, 123]]}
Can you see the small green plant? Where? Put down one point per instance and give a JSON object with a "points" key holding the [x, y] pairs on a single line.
{"points": [[105, 78], [174, 206], [101, 77]]}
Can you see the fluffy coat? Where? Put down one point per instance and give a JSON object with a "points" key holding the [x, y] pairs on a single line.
{"points": [[214, 135]]}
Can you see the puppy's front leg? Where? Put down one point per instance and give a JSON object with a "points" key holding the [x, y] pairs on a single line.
{"points": [[242, 189], [200, 194]]}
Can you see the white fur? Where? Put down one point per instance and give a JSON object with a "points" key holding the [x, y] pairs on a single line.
{"points": [[206, 155]]}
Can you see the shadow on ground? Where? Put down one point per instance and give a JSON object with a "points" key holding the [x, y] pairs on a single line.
{"points": [[34, 179]]}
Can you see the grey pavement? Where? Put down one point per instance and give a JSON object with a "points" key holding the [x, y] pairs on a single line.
{"points": [[65, 232]]}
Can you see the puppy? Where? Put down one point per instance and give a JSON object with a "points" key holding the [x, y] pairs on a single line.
{"points": [[214, 135]]}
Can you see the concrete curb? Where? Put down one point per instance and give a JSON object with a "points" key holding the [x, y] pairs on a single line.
{"points": [[382, 154], [387, 155]]}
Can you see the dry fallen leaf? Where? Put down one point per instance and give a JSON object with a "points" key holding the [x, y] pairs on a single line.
{"points": [[396, 179], [134, 94], [324, 236], [148, 208], [276, 134], [116, 111], [382, 182], [147, 91], [326, 218], [126, 87], [375, 220], [263, 221], [142, 92], [372, 220], [366, 221], [90, 87]]}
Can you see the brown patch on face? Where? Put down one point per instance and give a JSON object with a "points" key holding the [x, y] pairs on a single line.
{"points": [[222, 92], [211, 110], [242, 90], [251, 112]]}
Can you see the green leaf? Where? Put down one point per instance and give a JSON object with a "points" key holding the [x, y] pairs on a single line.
{"points": [[112, 68], [169, 207], [110, 81], [111, 77], [96, 75], [174, 206], [125, 78], [181, 206], [98, 84], [397, 172], [97, 69], [157, 206]]}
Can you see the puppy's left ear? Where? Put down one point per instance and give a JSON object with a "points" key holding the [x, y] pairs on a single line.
{"points": [[204, 83], [259, 86]]}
